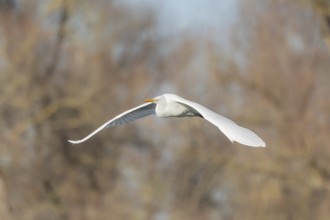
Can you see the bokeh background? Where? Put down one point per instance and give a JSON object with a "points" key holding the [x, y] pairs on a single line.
{"points": [[66, 66]]}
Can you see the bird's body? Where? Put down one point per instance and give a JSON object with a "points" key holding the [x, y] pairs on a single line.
{"points": [[171, 105], [168, 107]]}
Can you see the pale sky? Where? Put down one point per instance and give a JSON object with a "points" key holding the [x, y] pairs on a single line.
{"points": [[191, 15]]}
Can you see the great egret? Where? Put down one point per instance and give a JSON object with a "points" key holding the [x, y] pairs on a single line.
{"points": [[170, 105]]}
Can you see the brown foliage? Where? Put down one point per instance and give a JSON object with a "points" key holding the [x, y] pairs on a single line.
{"points": [[67, 66]]}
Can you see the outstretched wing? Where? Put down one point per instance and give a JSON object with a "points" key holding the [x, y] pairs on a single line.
{"points": [[232, 131], [124, 118]]}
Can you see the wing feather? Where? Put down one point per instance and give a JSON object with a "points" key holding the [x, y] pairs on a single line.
{"points": [[124, 118], [230, 129]]}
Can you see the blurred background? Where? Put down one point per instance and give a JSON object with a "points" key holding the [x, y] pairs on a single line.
{"points": [[67, 66]]}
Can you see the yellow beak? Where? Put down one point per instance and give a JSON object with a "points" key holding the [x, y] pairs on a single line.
{"points": [[149, 100]]}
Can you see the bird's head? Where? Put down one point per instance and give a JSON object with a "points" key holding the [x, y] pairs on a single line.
{"points": [[153, 100], [165, 98]]}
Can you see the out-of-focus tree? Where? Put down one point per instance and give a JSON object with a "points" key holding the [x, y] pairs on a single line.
{"points": [[60, 61], [67, 66], [284, 73], [323, 8]]}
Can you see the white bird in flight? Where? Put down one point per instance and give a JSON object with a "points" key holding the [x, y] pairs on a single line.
{"points": [[171, 105]]}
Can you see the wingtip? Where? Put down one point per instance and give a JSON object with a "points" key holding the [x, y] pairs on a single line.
{"points": [[73, 142], [259, 144], [263, 144]]}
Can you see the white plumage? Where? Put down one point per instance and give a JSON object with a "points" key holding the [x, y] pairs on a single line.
{"points": [[170, 105]]}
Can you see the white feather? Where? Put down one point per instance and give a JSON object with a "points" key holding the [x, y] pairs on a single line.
{"points": [[170, 105], [232, 131]]}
